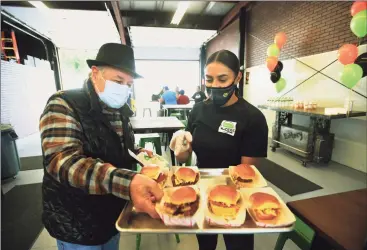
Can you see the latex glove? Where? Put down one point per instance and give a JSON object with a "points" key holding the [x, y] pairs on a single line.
{"points": [[144, 193], [181, 144]]}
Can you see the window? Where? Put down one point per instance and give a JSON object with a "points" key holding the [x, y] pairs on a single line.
{"points": [[157, 74]]}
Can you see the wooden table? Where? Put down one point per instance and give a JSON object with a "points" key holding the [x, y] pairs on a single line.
{"points": [[339, 220], [167, 125]]}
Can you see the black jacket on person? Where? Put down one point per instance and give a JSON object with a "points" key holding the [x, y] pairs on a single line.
{"points": [[71, 214]]}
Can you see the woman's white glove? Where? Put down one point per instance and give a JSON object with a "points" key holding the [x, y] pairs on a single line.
{"points": [[181, 144]]}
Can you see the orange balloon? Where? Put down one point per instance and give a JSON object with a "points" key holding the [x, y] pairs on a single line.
{"points": [[357, 7], [280, 39], [347, 54], [271, 63]]}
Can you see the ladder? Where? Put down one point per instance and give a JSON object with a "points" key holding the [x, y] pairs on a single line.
{"points": [[9, 44]]}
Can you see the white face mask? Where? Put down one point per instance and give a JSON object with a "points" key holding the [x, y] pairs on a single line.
{"points": [[114, 95]]}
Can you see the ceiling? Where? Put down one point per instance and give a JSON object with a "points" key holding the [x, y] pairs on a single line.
{"points": [[90, 29], [201, 15], [196, 7], [166, 37], [206, 15]]}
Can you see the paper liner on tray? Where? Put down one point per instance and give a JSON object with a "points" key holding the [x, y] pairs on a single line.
{"points": [[155, 160], [215, 220], [170, 220], [258, 182], [173, 170], [285, 217]]}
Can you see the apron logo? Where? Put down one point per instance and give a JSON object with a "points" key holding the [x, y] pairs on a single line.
{"points": [[227, 127]]}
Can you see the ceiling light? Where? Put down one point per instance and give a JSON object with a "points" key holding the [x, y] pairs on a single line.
{"points": [[180, 12], [38, 4]]}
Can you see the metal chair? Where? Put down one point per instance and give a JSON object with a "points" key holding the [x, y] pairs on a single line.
{"points": [[302, 236]]}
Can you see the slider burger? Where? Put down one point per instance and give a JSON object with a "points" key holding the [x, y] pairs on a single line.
{"points": [[243, 174], [224, 201], [185, 177], [184, 201], [264, 206], [155, 172]]}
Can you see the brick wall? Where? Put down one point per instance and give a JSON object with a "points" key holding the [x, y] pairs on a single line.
{"points": [[311, 28]]}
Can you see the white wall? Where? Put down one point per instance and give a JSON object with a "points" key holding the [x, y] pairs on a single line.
{"points": [[350, 134], [24, 93]]}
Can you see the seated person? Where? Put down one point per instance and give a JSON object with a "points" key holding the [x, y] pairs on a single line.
{"points": [[182, 98], [168, 97], [199, 95]]}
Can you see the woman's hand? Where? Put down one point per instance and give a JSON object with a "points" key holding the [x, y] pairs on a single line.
{"points": [[181, 145]]}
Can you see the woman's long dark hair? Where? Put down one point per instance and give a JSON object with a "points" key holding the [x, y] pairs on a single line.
{"points": [[227, 58]]}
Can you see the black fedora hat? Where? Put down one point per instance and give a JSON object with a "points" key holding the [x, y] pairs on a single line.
{"points": [[115, 55]]}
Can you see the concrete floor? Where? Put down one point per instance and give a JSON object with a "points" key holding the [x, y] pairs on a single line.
{"points": [[334, 178]]}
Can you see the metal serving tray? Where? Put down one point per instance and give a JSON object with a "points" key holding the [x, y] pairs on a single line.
{"points": [[130, 221]]}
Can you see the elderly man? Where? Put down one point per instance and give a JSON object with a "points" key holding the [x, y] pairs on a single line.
{"points": [[88, 177]]}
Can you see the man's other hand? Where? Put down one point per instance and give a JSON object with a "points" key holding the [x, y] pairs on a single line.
{"points": [[144, 193], [149, 153]]}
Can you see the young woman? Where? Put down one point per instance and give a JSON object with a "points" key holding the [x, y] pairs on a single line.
{"points": [[223, 131]]}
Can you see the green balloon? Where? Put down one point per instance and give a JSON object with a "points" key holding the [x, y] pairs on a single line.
{"points": [[351, 74], [280, 85], [358, 25], [361, 13], [273, 50]]}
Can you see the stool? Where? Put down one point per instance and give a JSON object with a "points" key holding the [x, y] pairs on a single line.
{"points": [[138, 240], [150, 112], [152, 138], [184, 122], [179, 115], [302, 236]]}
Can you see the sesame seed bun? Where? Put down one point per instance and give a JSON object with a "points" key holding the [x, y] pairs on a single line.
{"points": [[152, 171], [265, 206], [183, 195], [224, 194], [224, 201], [244, 171], [187, 174]]}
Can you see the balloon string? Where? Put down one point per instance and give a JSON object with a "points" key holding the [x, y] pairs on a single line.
{"points": [[317, 71]]}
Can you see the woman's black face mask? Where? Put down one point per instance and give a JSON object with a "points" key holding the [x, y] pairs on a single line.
{"points": [[220, 96]]}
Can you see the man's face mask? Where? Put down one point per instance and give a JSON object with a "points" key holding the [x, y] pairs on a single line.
{"points": [[220, 96], [114, 95]]}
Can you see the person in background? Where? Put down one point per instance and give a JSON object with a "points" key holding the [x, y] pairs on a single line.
{"points": [[168, 97], [88, 172], [199, 95], [182, 98], [214, 144]]}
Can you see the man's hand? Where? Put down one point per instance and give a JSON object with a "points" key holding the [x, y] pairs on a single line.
{"points": [[149, 153], [144, 192]]}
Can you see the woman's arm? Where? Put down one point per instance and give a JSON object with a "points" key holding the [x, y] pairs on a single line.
{"points": [[255, 140], [249, 160]]}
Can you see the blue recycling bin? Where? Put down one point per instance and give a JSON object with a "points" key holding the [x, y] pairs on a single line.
{"points": [[10, 163]]}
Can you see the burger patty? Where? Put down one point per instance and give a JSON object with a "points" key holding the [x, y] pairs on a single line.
{"points": [[187, 209], [161, 178], [244, 180], [184, 183], [222, 204]]}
